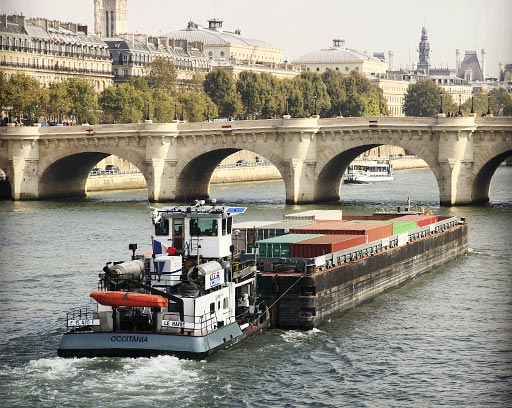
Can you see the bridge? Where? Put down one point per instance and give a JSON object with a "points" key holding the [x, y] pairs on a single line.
{"points": [[311, 154]]}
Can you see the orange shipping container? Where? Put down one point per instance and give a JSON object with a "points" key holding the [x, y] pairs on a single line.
{"points": [[371, 230], [325, 244]]}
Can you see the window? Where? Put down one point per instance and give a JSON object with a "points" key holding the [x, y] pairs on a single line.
{"points": [[162, 228], [200, 227], [225, 303], [212, 308]]}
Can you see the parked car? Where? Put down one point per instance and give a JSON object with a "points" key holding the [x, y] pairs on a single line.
{"points": [[95, 171], [241, 162], [111, 169]]}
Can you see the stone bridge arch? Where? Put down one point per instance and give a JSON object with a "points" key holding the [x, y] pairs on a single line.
{"points": [[64, 172], [195, 167], [485, 165], [334, 160]]}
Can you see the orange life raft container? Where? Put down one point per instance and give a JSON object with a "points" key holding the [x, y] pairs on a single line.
{"points": [[129, 299]]}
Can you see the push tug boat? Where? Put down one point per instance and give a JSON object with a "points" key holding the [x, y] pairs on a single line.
{"points": [[188, 298]]}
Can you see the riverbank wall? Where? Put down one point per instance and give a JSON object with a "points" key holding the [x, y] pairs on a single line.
{"points": [[223, 174]]}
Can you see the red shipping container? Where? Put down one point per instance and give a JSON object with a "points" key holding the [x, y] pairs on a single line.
{"points": [[372, 230], [325, 244], [422, 219], [368, 217]]}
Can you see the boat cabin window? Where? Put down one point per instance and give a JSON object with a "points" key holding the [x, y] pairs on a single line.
{"points": [[162, 228], [173, 307], [203, 227], [227, 223], [225, 303], [212, 307]]}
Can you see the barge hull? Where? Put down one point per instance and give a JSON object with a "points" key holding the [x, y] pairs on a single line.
{"points": [[309, 300], [137, 344]]}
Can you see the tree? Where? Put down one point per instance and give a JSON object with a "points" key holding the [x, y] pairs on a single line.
{"points": [[196, 106], [422, 98], [362, 98], [82, 97], [221, 89], [161, 107], [334, 84], [122, 104], [25, 96], [500, 102], [315, 98], [162, 75]]}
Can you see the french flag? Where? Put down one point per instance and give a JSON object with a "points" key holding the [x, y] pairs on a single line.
{"points": [[159, 248]]}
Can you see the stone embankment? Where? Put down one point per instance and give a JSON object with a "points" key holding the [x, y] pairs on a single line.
{"points": [[225, 173]]}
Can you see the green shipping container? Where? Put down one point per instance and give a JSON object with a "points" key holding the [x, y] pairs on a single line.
{"points": [[403, 226], [279, 247], [398, 225]]}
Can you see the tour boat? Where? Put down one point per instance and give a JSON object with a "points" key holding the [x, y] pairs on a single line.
{"points": [[191, 296], [368, 171]]}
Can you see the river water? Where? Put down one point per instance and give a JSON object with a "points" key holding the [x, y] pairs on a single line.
{"points": [[444, 339]]}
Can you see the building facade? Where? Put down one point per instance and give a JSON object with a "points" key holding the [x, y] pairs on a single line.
{"points": [[222, 46], [132, 55], [52, 51]]}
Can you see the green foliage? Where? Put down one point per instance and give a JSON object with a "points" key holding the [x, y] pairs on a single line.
{"points": [[221, 89], [122, 104], [423, 99], [313, 92], [162, 75], [500, 102], [24, 95], [196, 105], [82, 100]]}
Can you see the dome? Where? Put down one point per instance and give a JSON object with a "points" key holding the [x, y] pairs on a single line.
{"points": [[336, 54]]}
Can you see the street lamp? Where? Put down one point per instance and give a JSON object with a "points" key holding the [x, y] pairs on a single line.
{"points": [[488, 104], [472, 104], [441, 108], [175, 111], [208, 110], [286, 105], [314, 100], [460, 101]]}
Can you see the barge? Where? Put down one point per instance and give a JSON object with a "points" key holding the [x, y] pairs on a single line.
{"points": [[314, 270]]}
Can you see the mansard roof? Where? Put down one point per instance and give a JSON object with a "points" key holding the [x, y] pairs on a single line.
{"points": [[216, 35]]}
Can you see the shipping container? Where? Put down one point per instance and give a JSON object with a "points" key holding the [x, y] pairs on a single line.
{"points": [[278, 247], [314, 215], [245, 234], [324, 244], [422, 219], [371, 231], [369, 217], [399, 225]]}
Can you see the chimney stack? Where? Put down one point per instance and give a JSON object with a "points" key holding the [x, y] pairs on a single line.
{"points": [[484, 62], [457, 62], [390, 58]]}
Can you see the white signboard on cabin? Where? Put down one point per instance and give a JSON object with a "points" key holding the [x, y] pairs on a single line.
{"points": [[214, 279]]}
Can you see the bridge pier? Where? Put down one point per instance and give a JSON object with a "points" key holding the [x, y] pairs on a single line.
{"points": [[25, 177], [455, 162]]}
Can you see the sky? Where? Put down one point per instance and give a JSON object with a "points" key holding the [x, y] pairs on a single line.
{"points": [[301, 26]]}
